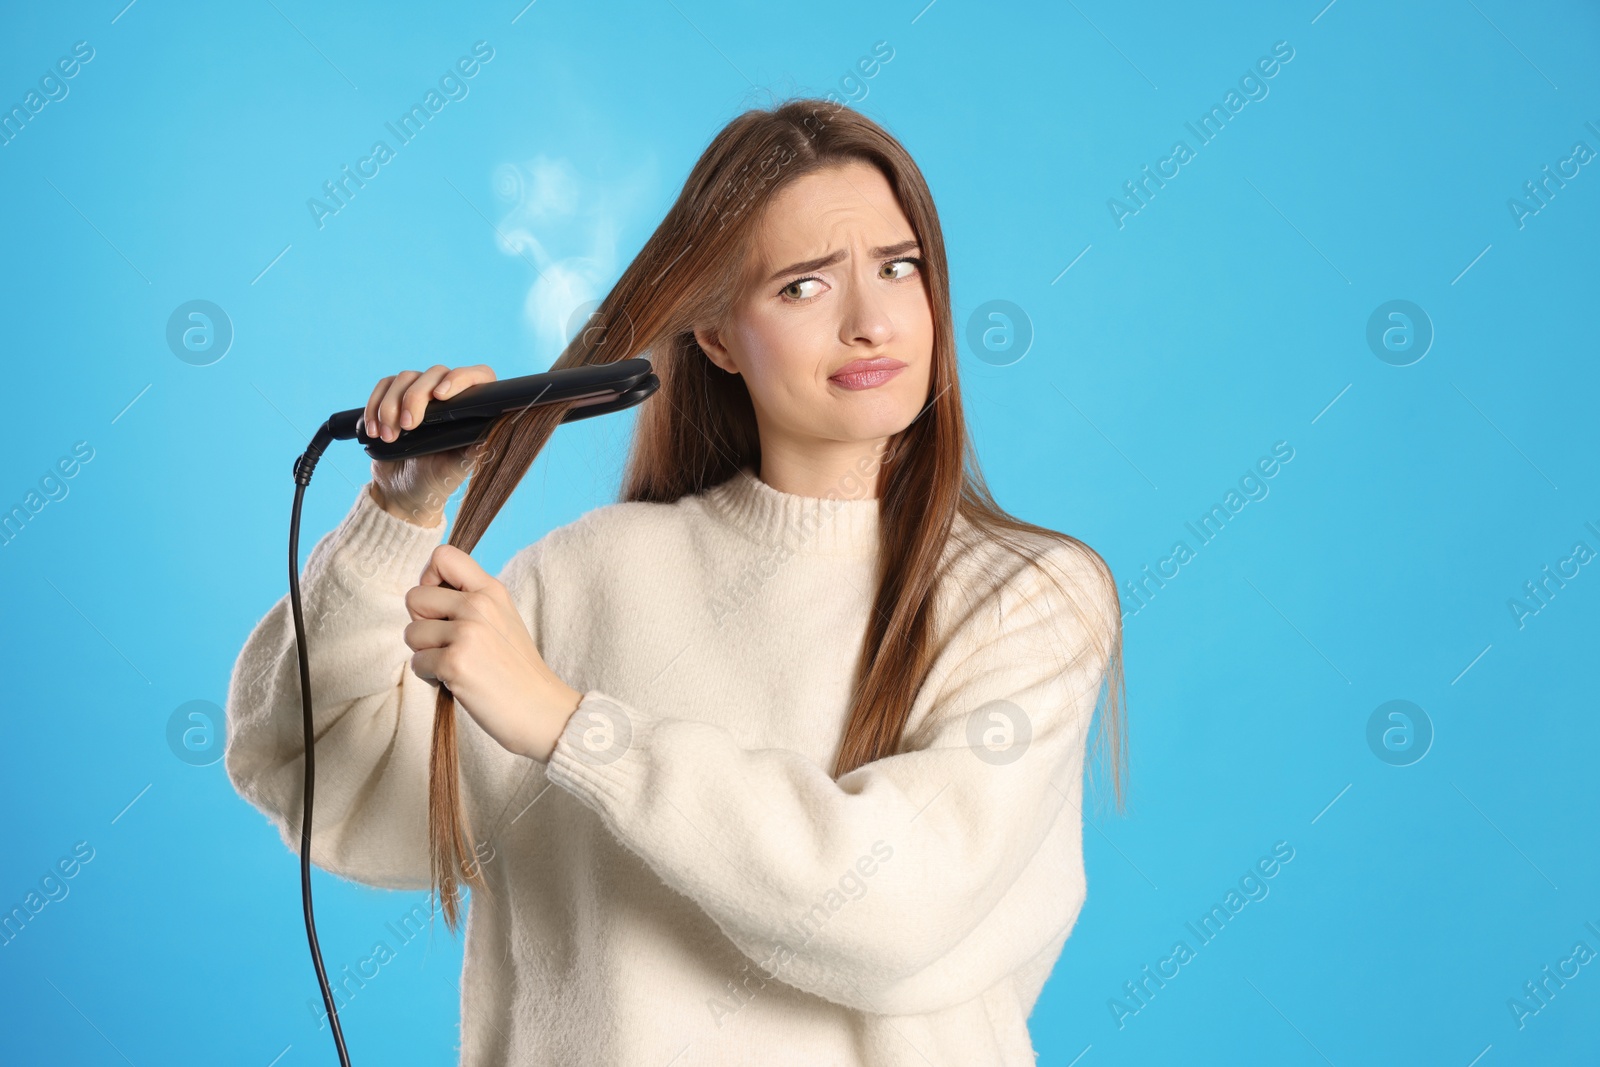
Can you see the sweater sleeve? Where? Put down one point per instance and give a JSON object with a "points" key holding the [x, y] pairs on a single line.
{"points": [[879, 890], [372, 717]]}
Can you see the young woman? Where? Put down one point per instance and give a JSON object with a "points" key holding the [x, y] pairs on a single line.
{"points": [[778, 760]]}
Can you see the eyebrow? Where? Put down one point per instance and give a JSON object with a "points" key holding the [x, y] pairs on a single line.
{"points": [[831, 258]]}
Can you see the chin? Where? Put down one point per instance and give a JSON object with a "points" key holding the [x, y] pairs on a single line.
{"points": [[885, 421], [866, 414]]}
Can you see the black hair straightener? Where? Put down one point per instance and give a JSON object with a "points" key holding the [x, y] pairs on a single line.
{"points": [[459, 421], [600, 388]]}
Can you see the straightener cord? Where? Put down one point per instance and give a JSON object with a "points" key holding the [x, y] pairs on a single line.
{"points": [[303, 468]]}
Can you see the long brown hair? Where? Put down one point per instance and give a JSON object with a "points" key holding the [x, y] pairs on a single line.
{"points": [[700, 428]]}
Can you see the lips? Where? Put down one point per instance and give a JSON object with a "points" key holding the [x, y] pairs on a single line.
{"points": [[866, 373]]}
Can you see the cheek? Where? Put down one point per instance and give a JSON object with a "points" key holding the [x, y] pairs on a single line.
{"points": [[780, 353], [916, 319], [915, 388]]}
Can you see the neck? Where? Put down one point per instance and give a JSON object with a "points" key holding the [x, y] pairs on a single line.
{"points": [[843, 470]]}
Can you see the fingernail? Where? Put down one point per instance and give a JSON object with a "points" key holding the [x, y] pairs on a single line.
{"points": [[443, 388], [405, 420]]}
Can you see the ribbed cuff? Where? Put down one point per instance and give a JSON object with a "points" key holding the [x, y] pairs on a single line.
{"points": [[601, 754], [372, 543]]}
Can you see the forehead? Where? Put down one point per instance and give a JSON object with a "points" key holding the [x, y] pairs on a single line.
{"points": [[825, 210]]}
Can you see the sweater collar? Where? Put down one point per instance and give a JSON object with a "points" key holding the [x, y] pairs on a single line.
{"points": [[806, 525]]}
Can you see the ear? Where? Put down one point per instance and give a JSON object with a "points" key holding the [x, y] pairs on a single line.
{"points": [[710, 342]]}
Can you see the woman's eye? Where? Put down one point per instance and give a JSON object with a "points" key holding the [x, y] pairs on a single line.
{"points": [[904, 263], [792, 290]]}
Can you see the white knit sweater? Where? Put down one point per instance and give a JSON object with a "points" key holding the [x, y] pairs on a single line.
{"points": [[696, 889]]}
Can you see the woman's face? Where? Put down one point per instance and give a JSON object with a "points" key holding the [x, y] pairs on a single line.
{"points": [[836, 280]]}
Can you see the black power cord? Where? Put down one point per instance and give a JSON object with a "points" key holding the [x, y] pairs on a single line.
{"points": [[303, 468]]}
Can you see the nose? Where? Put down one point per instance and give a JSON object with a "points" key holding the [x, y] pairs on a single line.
{"points": [[864, 313]]}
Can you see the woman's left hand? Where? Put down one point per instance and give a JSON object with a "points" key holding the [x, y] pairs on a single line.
{"points": [[472, 639]]}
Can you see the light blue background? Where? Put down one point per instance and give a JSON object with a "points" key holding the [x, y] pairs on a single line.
{"points": [[1228, 314]]}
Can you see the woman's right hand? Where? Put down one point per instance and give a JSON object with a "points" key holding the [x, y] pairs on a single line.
{"points": [[416, 488]]}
